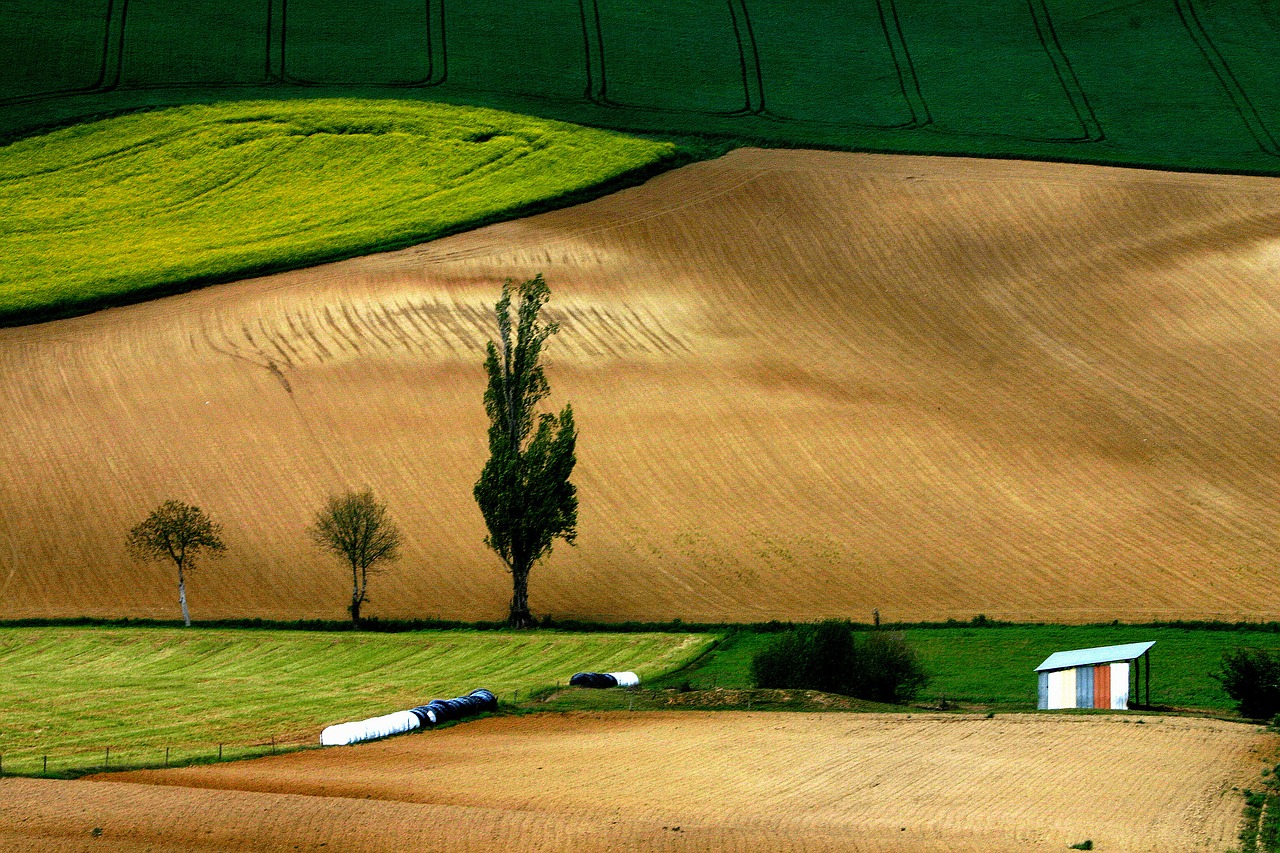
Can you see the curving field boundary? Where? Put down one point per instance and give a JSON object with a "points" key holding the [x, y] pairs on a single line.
{"points": [[117, 210]]}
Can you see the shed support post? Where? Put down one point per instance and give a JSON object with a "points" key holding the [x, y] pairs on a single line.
{"points": [[1146, 672]]}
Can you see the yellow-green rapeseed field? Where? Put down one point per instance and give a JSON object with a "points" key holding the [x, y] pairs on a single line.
{"points": [[156, 201]]}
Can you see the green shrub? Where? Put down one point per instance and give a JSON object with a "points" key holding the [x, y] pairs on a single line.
{"points": [[783, 662], [1251, 677], [831, 657], [890, 670]]}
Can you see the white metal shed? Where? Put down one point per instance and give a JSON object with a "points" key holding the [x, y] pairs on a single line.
{"points": [[1096, 678]]}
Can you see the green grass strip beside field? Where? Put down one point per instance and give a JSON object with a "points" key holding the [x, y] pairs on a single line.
{"points": [[1260, 827], [157, 201], [71, 692], [994, 665]]}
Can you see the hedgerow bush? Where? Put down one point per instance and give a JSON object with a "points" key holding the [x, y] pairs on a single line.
{"points": [[1251, 677], [830, 656]]}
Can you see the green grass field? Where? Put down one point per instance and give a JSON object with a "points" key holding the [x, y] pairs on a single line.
{"points": [[71, 692], [994, 665], [154, 201], [1173, 83]]}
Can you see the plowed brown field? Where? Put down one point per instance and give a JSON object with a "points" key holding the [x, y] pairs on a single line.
{"points": [[808, 384], [685, 781]]}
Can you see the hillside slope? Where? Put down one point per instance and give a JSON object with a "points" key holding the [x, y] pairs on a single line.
{"points": [[808, 384]]}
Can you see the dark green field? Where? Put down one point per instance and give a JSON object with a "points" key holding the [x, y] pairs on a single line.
{"points": [[1171, 83]]}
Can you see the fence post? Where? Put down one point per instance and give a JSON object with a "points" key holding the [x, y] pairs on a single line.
{"points": [[107, 761], [166, 756], [219, 752], [45, 771], [1, 763]]}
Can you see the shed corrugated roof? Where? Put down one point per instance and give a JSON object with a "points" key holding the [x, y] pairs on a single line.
{"points": [[1101, 654]]}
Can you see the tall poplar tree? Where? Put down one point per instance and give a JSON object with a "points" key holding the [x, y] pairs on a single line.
{"points": [[524, 491]]}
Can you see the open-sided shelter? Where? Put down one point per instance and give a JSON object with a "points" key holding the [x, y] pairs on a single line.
{"points": [[1096, 678]]}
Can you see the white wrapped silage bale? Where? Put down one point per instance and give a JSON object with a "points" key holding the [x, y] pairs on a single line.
{"points": [[626, 679], [371, 729], [434, 712]]}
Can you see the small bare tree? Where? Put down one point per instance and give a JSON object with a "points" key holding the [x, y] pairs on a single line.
{"points": [[356, 527], [179, 532]]}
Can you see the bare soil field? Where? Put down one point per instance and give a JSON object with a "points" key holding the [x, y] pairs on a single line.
{"points": [[808, 384], [686, 781]]}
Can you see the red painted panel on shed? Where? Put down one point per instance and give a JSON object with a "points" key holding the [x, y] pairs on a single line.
{"points": [[1102, 686]]}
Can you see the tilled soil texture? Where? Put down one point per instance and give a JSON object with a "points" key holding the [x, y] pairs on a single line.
{"points": [[685, 781], [807, 385]]}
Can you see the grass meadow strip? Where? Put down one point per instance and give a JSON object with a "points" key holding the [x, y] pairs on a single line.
{"points": [[152, 695], [994, 665], [70, 693]]}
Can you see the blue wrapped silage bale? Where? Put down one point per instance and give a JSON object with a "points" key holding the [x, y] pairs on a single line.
{"points": [[447, 710], [487, 701], [593, 680], [425, 713], [443, 710]]}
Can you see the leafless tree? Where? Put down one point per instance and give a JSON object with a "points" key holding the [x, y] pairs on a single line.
{"points": [[358, 530], [179, 532]]}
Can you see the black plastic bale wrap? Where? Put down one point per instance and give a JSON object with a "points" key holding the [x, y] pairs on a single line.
{"points": [[593, 679], [444, 710], [488, 702]]}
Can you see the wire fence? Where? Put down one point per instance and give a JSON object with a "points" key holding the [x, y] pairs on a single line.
{"points": [[66, 764]]}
